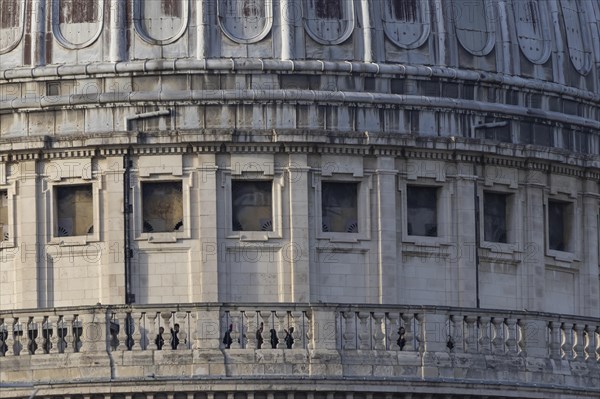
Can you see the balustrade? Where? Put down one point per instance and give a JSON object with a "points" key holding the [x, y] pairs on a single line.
{"points": [[151, 328]]}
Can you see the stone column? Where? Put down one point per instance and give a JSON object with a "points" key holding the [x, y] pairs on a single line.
{"points": [[367, 31], [533, 270], [298, 251], [385, 225], [38, 32], [588, 279], [202, 31], [118, 46], [286, 20], [30, 287], [463, 225], [204, 275]]}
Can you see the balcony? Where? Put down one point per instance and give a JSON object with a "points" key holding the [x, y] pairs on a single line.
{"points": [[382, 348]]}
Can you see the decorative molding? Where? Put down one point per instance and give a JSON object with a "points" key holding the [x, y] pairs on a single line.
{"points": [[231, 12], [56, 25]]}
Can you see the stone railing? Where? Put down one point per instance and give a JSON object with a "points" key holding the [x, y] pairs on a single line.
{"points": [[210, 340]]}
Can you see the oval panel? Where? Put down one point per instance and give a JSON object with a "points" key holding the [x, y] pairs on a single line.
{"points": [[77, 23], [328, 21], [161, 21], [406, 22], [578, 37], [245, 21], [532, 30], [12, 15], [473, 26]]}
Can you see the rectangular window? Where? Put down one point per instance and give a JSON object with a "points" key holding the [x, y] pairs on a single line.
{"points": [[251, 205], [560, 218], [422, 211], [4, 215], [494, 217], [162, 206], [74, 210], [339, 207]]}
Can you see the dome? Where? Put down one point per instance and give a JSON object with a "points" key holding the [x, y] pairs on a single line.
{"points": [[301, 199]]}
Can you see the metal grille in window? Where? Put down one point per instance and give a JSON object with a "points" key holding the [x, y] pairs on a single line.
{"points": [[328, 9], [422, 211], [251, 205], [162, 206], [74, 210], [9, 14], [4, 216], [339, 207], [494, 217], [78, 11]]}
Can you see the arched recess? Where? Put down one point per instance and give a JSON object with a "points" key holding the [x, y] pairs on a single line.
{"points": [[473, 25], [160, 21], [245, 21], [328, 21], [578, 36], [77, 23], [12, 17], [533, 30], [406, 22]]}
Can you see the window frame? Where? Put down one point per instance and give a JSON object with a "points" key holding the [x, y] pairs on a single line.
{"points": [[513, 214], [10, 193], [570, 236], [53, 225], [362, 205], [162, 237], [276, 180], [443, 212]]}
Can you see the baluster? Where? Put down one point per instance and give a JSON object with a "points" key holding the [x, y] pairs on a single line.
{"points": [[393, 331], [420, 334], [238, 329], [53, 334], [349, 335], [597, 339], [166, 317], [378, 334], [521, 329], [297, 334], [268, 324], [408, 331], [578, 343], [68, 336], [485, 342], [455, 338], [77, 333], [92, 333], [555, 340], [32, 331], [308, 330], [250, 326], [121, 333], [588, 336], [510, 337], [364, 335], [3, 335], [138, 323], [194, 331], [567, 341], [184, 327], [472, 335], [10, 338], [151, 324], [497, 336], [281, 317]]}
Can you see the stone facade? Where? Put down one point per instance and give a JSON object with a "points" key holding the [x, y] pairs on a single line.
{"points": [[442, 156]]}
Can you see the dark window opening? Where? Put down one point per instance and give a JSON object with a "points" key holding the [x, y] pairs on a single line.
{"points": [[9, 13], [494, 217], [422, 211], [251, 205], [4, 215], [559, 219], [405, 10], [339, 207], [162, 206], [78, 11], [328, 9], [74, 210], [171, 8]]}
